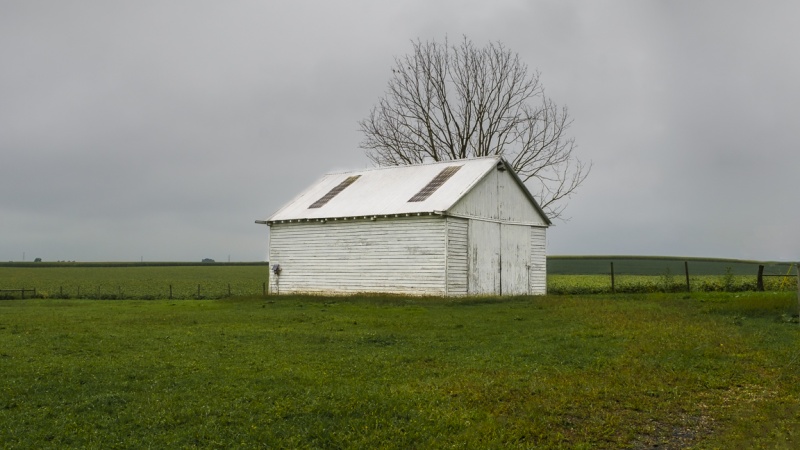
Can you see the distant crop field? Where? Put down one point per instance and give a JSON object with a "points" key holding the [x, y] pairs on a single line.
{"points": [[706, 370], [137, 281]]}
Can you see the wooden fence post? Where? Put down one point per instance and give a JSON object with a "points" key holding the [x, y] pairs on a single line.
{"points": [[686, 270], [613, 288], [797, 269], [760, 278]]}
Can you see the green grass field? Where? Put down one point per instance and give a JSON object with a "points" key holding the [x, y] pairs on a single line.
{"points": [[710, 370]]}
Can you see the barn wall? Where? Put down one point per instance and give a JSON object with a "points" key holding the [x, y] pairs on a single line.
{"points": [[483, 257], [457, 256], [515, 262], [397, 255], [498, 196], [505, 259], [538, 261], [505, 253]]}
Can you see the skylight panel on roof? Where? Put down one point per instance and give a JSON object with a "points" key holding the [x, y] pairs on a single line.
{"points": [[334, 192], [434, 184]]}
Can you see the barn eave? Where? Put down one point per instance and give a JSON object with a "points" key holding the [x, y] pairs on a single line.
{"points": [[371, 217]]}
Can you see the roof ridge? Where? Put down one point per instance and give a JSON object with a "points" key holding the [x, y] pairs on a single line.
{"points": [[432, 163]]}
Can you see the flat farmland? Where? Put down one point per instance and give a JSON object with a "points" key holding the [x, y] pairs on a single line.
{"points": [[204, 282], [579, 275], [136, 281]]}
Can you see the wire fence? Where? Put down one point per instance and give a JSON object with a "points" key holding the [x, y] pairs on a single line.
{"points": [[654, 274], [133, 280], [130, 292]]}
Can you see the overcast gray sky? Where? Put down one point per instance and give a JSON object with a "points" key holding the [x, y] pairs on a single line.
{"points": [[161, 130]]}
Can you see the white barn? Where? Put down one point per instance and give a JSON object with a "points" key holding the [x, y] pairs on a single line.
{"points": [[465, 227]]}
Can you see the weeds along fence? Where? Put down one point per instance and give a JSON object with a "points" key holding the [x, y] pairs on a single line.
{"points": [[635, 274], [11, 293]]}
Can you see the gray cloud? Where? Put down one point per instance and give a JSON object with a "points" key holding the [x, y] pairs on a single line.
{"points": [[162, 130]]}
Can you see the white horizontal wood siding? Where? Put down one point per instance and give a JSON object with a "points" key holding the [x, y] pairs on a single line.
{"points": [[457, 256], [538, 261], [403, 255]]}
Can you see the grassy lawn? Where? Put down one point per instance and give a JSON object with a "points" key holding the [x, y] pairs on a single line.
{"points": [[629, 371]]}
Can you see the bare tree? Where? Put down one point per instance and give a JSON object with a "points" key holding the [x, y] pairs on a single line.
{"points": [[452, 102]]}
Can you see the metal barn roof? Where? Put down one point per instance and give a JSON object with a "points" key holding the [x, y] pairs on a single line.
{"points": [[418, 189]]}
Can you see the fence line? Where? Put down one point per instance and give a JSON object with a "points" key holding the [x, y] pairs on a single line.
{"points": [[106, 292], [661, 275], [21, 291], [645, 265]]}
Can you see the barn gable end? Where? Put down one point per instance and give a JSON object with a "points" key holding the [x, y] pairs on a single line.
{"points": [[500, 196]]}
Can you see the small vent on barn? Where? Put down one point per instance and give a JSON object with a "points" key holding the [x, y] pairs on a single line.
{"points": [[435, 184], [334, 192]]}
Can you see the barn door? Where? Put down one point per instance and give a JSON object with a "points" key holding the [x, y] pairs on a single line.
{"points": [[499, 258], [483, 258], [515, 256]]}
